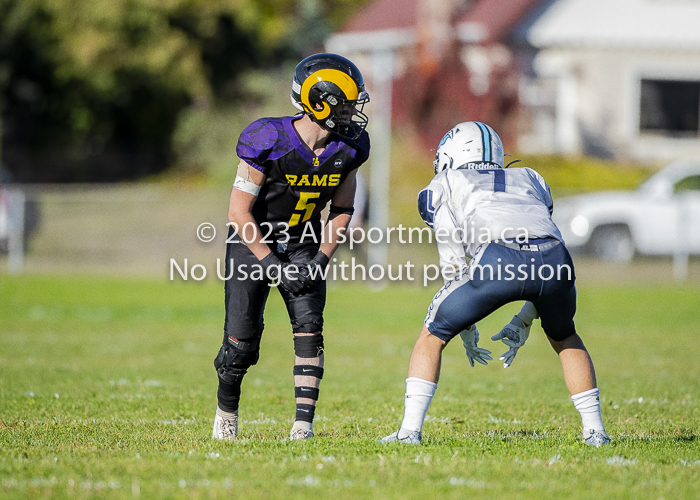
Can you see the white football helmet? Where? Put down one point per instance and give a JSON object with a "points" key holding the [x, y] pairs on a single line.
{"points": [[469, 145]]}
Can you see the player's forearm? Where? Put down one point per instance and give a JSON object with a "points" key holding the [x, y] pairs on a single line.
{"points": [[528, 313], [240, 214], [334, 231], [253, 242]]}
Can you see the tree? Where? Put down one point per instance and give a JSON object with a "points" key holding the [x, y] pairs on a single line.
{"points": [[90, 90]]}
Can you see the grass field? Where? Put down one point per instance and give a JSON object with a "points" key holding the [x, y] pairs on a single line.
{"points": [[107, 390]]}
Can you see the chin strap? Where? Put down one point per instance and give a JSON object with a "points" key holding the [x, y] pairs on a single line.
{"points": [[514, 161]]}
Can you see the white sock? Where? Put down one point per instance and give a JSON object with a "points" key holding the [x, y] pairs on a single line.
{"points": [[588, 405], [225, 414], [419, 394]]}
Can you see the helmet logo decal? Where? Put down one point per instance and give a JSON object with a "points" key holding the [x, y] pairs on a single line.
{"points": [[337, 77], [448, 135]]}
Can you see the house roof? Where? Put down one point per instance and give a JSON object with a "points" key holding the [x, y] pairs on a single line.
{"points": [[492, 20], [540, 23], [379, 24], [383, 15], [392, 23], [615, 23]]}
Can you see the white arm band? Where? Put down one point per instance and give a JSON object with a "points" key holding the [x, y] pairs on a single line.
{"points": [[246, 186]]}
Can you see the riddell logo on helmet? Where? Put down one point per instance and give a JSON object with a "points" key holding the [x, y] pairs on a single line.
{"points": [[479, 165]]}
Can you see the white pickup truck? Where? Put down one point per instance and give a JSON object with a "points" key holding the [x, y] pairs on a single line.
{"points": [[661, 217]]}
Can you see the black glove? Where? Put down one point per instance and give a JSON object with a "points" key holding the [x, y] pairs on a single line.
{"points": [[312, 272], [284, 273]]}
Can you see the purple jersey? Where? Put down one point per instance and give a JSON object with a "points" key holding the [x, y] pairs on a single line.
{"points": [[299, 184]]}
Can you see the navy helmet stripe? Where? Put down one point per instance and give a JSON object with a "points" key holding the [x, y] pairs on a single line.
{"points": [[486, 138]]}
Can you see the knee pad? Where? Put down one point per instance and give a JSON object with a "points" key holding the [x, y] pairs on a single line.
{"points": [[235, 357], [308, 346], [244, 353], [308, 327]]}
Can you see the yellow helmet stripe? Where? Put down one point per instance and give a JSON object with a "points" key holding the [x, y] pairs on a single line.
{"points": [[342, 80]]}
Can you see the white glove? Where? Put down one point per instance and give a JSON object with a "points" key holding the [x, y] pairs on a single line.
{"points": [[514, 335], [470, 339]]}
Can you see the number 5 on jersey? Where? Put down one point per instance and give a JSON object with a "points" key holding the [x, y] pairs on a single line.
{"points": [[304, 205]]}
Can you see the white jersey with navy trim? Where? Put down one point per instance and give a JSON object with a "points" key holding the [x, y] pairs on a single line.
{"points": [[468, 208]]}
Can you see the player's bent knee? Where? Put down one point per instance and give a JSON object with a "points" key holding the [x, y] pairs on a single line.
{"points": [[435, 336], [561, 334], [308, 346], [572, 341], [234, 359], [231, 375], [308, 327]]}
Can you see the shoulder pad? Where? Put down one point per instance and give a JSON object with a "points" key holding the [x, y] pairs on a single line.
{"points": [[429, 199], [536, 175], [359, 150], [363, 146], [258, 139]]}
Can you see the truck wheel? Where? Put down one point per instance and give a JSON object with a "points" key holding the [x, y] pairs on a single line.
{"points": [[613, 244]]}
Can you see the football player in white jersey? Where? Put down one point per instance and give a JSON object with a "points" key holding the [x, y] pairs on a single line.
{"points": [[500, 219]]}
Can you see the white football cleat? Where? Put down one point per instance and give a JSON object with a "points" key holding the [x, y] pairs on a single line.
{"points": [[596, 438], [299, 434], [414, 437], [225, 427]]}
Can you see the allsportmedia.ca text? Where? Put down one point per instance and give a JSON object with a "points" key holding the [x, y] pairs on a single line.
{"points": [[279, 233], [354, 271]]}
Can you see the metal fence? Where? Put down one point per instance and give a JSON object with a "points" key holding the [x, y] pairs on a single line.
{"points": [[115, 229]]}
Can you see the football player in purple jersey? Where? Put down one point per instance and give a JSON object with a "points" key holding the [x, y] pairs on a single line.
{"points": [[290, 168]]}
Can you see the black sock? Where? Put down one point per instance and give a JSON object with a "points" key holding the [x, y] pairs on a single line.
{"points": [[228, 395]]}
